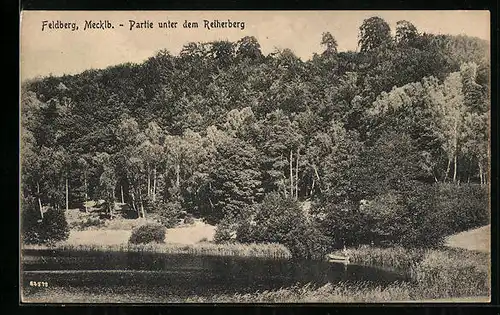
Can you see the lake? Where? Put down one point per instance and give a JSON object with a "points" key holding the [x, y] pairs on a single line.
{"points": [[183, 275]]}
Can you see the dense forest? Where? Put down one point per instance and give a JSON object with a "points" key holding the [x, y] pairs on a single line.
{"points": [[389, 143]]}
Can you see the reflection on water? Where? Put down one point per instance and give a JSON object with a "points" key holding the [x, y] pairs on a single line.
{"points": [[184, 274]]}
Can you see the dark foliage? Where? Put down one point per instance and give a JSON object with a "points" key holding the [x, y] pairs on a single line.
{"points": [[189, 219], [415, 215], [148, 233], [168, 212], [462, 207], [30, 222], [282, 220], [52, 228]]}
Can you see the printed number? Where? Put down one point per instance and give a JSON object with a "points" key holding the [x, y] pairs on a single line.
{"points": [[39, 284]]}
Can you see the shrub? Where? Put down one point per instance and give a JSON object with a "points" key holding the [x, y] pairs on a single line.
{"points": [[282, 220], [455, 273], [415, 215], [189, 219], [342, 224], [204, 240], [463, 207], [422, 222], [52, 228], [148, 233], [30, 222], [226, 230], [407, 217], [89, 222]]}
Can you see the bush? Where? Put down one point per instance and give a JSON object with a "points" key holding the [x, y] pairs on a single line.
{"points": [[148, 233], [89, 222], [189, 219], [54, 226], [463, 207], [30, 222], [342, 224], [225, 231], [282, 220], [415, 215]]}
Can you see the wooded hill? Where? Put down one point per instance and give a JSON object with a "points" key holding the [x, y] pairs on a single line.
{"points": [[221, 125]]}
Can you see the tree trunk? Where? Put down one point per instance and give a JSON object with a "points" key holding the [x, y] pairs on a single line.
{"points": [[283, 183], [297, 176], [317, 175], [143, 213], [149, 181], [447, 171], [67, 193], [480, 173], [291, 174], [455, 152], [39, 200], [86, 190], [121, 191], [455, 169], [85, 186], [111, 203], [133, 201], [312, 186], [154, 183]]}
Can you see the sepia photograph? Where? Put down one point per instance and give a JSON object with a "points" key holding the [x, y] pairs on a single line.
{"points": [[254, 157]]}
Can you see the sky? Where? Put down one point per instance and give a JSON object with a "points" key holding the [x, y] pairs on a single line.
{"points": [[63, 51]]}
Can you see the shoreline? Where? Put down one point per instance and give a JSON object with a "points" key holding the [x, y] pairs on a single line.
{"points": [[270, 250]]}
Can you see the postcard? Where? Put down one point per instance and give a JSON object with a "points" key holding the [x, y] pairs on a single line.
{"points": [[255, 157]]}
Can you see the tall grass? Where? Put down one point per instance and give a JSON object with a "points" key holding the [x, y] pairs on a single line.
{"points": [[329, 293], [276, 251], [436, 273], [443, 273]]}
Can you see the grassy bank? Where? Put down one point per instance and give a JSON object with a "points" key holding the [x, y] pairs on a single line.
{"points": [[329, 293], [435, 273], [210, 249], [339, 292]]}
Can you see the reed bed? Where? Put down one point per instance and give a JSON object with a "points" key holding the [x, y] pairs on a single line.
{"points": [[396, 258], [276, 251], [329, 293], [435, 273]]}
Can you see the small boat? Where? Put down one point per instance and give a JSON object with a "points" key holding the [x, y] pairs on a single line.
{"points": [[337, 258]]}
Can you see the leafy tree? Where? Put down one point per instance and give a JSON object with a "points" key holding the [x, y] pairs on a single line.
{"points": [[330, 44], [406, 33], [374, 33], [249, 47], [107, 180], [235, 180]]}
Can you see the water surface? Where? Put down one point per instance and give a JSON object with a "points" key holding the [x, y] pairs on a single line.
{"points": [[184, 274]]}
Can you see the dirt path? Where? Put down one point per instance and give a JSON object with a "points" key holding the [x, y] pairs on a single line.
{"points": [[477, 239]]}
